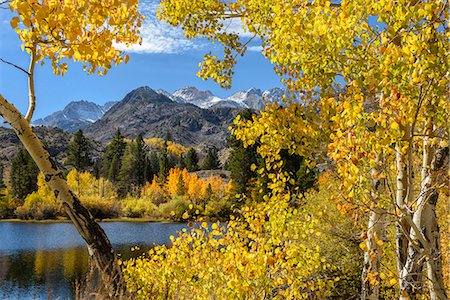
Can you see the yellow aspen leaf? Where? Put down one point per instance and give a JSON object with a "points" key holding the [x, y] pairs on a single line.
{"points": [[270, 261], [363, 246], [14, 22], [76, 55]]}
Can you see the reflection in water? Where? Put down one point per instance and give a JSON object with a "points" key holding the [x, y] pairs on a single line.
{"points": [[46, 272]]}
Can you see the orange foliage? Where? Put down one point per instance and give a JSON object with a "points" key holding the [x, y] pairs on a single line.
{"points": [[194, 187], [153, 192]]}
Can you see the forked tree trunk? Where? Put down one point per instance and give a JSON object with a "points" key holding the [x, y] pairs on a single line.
{"points": [[430, 223], [98, 244], [425, 248]]}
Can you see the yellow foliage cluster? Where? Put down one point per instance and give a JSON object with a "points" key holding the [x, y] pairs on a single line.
{"points": [[40, 204], [249, 257], [372, 77], [97, 195], [168, 200], [80, 30], [172, 147]]}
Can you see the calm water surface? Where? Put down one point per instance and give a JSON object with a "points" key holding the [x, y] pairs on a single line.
{"points": [[44, 260]]}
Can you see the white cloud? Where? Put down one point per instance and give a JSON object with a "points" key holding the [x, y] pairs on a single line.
{"points": [[158, 37], [235, 26], [255, 48]]}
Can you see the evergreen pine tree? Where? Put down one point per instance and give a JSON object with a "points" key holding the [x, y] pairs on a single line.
{"points": [[304, 177], [125, 176], [23, 175], [96, 168], [208, 193], [132, 173], [140, 153], [239, 164], [168, 137], [112, 159], [181, 162], [191, 160], [181, 190], [241, 159], [79, 152], [164, 167], [152, 165], [211, 161], [133, 169]]}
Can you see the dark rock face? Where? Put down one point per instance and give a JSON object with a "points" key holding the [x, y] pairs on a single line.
{"points": [[152, 114], [56, 141]]}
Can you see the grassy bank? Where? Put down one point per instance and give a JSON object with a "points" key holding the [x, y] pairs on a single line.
{"points": [[65, 220]]}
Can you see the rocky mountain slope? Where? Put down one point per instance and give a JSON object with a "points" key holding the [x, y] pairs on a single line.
{"points": [[81, 114], [76, 115], [55, 139], [152, 114]]}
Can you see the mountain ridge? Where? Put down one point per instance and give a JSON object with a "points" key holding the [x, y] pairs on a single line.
{"points": [[151, 114], [75, 115], [198, 112]]}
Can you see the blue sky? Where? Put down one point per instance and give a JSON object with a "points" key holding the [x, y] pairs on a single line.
{"points": [[165, 60]]}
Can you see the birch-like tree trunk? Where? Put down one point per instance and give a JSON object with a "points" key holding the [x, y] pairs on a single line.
{"points": [[402, 227], [423, 237], [424, 245], [371, 269], [98, 244]]}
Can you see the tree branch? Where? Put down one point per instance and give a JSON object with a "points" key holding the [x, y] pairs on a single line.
{"points": [[31, 91], [14, 65]]}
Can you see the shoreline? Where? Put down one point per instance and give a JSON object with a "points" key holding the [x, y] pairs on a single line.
{"points": [[124, 219]]}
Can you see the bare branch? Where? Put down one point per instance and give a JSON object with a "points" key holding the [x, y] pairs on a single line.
{"points": [[14, 65], [31, 90]]}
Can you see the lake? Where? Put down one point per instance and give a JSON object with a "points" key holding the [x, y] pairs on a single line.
{"points": [[45, 260]]}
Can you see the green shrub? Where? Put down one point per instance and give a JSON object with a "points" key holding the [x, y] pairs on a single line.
{"points": [[101, 208], [175, 208], [138, 208], [218, 208], [8, 205]]}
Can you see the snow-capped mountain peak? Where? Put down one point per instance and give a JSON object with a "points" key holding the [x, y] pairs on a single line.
{"points": [[203, 99]]}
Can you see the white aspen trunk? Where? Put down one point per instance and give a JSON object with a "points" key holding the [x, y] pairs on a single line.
{"points": [[402, 226], [98, 244], [411, 274], [424, 246], [371, 267], [31, 91], [431, 226]]}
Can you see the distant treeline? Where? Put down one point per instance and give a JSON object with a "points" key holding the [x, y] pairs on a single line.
{"points": [[151, 177]]}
